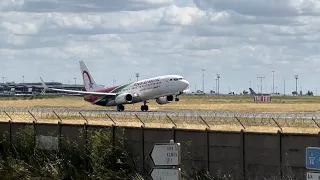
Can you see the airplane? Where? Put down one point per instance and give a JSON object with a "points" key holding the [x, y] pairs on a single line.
{"points": [[258, 94], [161, 88]]}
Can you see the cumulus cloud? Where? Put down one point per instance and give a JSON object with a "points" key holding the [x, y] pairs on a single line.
{"points": [[239, 39], [81, 5]]}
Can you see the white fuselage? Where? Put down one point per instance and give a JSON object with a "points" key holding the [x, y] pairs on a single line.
{"points": [[153, 88]]}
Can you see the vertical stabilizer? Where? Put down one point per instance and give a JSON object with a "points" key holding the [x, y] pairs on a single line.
{"points": [[88, 81], [252, 92]]}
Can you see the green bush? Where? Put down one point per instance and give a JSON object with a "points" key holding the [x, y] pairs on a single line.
{"points": [[101, 160]]}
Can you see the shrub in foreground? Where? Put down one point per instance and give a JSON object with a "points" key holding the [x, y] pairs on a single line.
{"points": [[101, 160]]}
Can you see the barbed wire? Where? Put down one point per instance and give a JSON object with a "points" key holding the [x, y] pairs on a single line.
{"points": [[182, 118]]}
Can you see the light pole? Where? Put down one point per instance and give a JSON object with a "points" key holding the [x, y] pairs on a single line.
{"points": [[218, 77], [250, 84], [137, 76], [296, 77], [3, 79], [273, 82], [284, 87], [203, 81], [216, 86], [261, 77], [75, 82], [23, 79]]}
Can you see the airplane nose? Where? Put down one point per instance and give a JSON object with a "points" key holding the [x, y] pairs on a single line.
{"points": [[185, 83]]}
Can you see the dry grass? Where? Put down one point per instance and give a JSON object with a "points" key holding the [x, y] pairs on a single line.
{"points": [[214, 103], [226, 103]]}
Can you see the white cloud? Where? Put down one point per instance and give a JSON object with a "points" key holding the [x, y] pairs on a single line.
{"points": [[238, 39]]}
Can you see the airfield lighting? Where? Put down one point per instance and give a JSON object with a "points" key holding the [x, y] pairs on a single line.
{"points": [[296, 77], [260, 77]]}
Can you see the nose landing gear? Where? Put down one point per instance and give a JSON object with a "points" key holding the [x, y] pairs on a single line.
{"points": [[144, 107]]}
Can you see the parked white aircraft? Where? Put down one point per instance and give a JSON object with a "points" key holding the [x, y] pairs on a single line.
{"points": [[161, 88]]}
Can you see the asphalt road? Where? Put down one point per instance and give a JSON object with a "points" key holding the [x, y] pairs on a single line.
{"points": [[315, 115]]}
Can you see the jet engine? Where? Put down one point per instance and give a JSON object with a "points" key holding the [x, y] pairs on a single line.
{"points": [[165, 99], [125, 98]]}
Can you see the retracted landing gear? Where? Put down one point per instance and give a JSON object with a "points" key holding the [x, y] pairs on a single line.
{"points": [[144, 107], [120, 107]]}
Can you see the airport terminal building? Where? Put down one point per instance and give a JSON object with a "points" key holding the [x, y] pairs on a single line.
{"points": [[34, 88]]}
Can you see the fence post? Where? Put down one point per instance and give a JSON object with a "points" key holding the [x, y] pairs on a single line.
{"points": [[171, 120], [280, 153], [142, 144], [34, 134], [140, 120], [10, 134], [114, 122], [205, 122], [242, 134], [113, 131], [86, 137], [83, 117], [59, 126], [239, 122], [8, 115], [174, 133], [208, 149]]}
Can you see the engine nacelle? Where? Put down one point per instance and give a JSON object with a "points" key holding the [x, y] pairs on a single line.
{"points": [[165, 99], [125, 98]]}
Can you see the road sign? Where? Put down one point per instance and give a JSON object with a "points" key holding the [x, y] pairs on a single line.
{"points": [[313, 158], [166, 174], [166, 154], [313, 176]]}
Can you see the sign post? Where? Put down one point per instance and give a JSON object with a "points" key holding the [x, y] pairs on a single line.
{"points": [[166, 158], [313, 163]]}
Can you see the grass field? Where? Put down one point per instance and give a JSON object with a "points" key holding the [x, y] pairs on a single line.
{"points": [[215, 103]]}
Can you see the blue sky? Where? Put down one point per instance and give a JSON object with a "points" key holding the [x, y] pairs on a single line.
{"points": [[240, 40]]}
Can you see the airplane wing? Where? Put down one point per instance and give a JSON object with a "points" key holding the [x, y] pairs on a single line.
{"points": [[80, 92]]}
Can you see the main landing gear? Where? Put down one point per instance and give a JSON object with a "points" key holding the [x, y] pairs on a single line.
{"points": [[144, 107], [120, 107]]}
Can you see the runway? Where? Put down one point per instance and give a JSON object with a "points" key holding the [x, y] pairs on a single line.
{"points": [[189, 113]]}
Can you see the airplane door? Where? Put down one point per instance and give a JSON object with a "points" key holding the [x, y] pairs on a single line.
{"points": [[168, 83]]}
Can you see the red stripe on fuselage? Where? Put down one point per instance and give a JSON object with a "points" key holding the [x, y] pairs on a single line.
{"points": [[92, 98]]}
